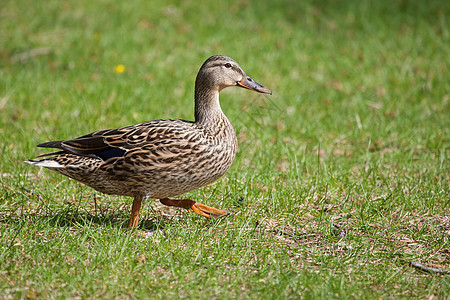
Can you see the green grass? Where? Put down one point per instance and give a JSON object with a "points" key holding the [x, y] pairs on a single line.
{"points": [[342, 175]]}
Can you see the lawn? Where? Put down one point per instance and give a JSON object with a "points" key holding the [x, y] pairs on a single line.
{"points": [[340, 188]]}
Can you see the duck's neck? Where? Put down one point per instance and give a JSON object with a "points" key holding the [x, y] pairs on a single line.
{"points": [[207, 106]]}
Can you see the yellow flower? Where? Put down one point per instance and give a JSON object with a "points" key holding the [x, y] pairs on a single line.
{"points": [[119, 69]]}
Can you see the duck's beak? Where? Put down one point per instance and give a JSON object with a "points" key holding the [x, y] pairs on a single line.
{"points": [[248, 83]]}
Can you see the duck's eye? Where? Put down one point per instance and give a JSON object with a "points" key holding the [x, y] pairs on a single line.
{"points": [[227, 65]]}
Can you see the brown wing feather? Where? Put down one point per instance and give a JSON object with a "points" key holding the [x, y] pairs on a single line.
{"points": [[86, 145], [152, 132]]}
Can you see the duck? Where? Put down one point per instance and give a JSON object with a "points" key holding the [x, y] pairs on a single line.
{"points": [[160, 159]]}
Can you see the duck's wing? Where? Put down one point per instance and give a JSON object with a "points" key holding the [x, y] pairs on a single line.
{"points": [[116, 142]]}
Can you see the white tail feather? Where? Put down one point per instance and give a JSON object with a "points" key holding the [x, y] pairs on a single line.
{"points": [[45, 163]]}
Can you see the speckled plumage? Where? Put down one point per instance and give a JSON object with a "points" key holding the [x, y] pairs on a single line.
{"points": [[161, 158]]}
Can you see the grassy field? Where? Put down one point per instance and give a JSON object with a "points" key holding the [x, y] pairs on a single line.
{"points": [[340, 183]]}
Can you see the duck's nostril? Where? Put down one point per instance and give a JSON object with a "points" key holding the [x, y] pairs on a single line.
{"points": [[249, 79]]}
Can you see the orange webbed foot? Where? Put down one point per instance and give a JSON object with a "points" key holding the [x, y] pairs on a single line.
{"points": [[198, 208]]}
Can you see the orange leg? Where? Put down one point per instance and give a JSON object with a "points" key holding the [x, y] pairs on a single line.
{"points": [[201, 209], [137, 202]]}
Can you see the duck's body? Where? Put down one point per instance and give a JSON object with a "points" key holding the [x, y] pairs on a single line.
{"points": [[161, 158], [157, 159]]}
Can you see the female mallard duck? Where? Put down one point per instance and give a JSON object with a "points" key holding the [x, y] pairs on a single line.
{"points": [[162, 158]]}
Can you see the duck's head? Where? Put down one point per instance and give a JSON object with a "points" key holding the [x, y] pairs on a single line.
{"points": [[219, 72]]}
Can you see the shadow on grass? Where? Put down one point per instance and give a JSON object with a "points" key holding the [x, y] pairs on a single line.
{"points": [[71, 216]]}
